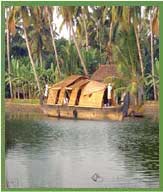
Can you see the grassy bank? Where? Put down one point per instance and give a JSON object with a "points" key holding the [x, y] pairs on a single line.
{"points": [[22, 106], [23, 101]]}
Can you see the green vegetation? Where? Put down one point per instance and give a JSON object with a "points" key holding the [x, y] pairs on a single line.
{"points": [[125, 36]]}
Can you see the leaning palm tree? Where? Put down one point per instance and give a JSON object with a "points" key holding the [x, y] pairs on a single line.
{"points": [[85, 14], [67, 14], [10, 27], [25, 18], [49, 15], [125, 55], [114, 18], [135, 14], [152, 14], [36, 34], [132, 16], [112, 21], [82, 19], [152, 52], [23, 14]]}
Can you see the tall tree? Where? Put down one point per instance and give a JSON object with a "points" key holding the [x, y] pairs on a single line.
{"points": [[112, 21], [49, 13], [67, 14], [23, 13], [84, 16], [128, 16], [82, 19], [25, 18], [152, 53], [36, 33], [137, 25], [10, 27]]}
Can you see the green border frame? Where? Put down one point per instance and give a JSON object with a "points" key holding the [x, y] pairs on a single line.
{"points": [[78, 3]]}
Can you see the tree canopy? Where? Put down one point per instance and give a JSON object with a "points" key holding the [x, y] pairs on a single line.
{"points": [[36, 54]]}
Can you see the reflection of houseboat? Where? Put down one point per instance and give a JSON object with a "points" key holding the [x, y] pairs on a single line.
{"points": [[82, 98]]}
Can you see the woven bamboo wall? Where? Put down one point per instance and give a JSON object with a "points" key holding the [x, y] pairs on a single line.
{"points": [[73, 97], [93, 100], [52, 96], [61, 96]]}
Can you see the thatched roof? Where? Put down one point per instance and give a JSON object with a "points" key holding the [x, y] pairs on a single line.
{"points": [[79, 84], [67, 82], [92, 87], [104, 71]]}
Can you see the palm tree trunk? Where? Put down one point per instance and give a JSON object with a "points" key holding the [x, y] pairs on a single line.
{"points": [[110, 32], [152, 60], [23, 89], [24, 97], [140, 60], [31, 60], [54, 45], [18, 91], [110, 59], [86, 33], [40, 58], [14, 92], [29, 92], [8, 60], [77, 47], [139, 51]]}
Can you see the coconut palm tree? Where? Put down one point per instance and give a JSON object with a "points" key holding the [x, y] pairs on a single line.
{"points": [[25, 18], [152, 52], [113, 16], [82, 19], [135, 14], [49, 16], [10, 27], [23, 13], [149, 78], [69, 56], [67, 14], [125, 55], [127, 16], [151, 14]]}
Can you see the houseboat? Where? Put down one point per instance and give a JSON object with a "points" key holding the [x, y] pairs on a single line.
{"points": [[79, 97]]}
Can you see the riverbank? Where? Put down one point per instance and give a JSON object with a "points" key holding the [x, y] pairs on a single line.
{"points": [[22, 106], [150, 109], [23, 101]]}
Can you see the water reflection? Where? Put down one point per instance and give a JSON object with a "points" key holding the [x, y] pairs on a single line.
{"points": [[47, 152], [140, 146]]}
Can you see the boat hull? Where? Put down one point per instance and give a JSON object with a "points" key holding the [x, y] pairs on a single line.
{"points": [[111, 113]]}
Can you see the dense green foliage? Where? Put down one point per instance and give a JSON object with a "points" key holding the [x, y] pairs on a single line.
{"points": [[98, 35]]}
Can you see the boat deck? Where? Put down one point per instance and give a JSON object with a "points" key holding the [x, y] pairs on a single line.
{"points": [[76, 112]]}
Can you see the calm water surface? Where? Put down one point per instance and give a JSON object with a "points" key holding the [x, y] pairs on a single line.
{"points": [[59, 153]]}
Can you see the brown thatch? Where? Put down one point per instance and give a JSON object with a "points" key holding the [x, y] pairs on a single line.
{"points": [[53, 97], [75, 94], [92, 87], [105, 71], [92, 95], [69, 81], [81, 91], [79, 84]]}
